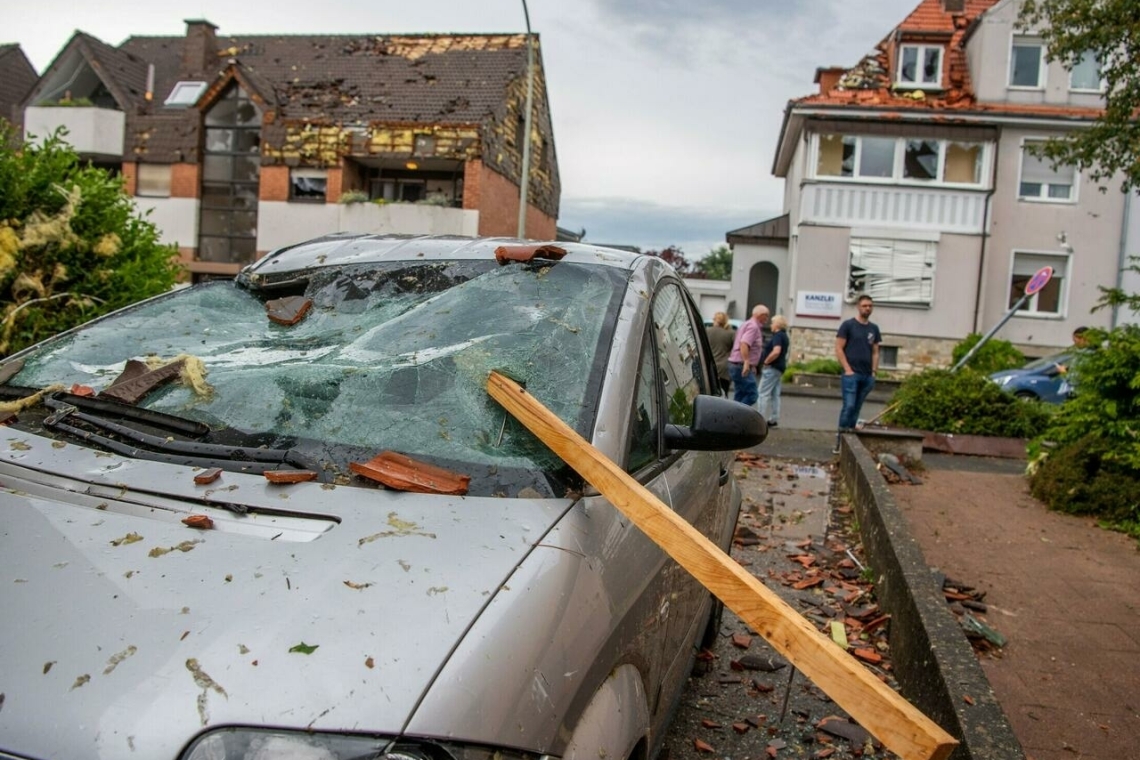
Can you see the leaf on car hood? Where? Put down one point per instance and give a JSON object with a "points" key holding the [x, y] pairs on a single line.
{"points": [[116, 659], [304, 648], [130, 538], [185, 546]]}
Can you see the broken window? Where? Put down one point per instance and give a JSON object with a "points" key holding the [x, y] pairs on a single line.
{"points": [[836, 156], [920, 65], [308, 184], [892, 271], [153, 181], [1040, 181], [1027, 63], [1049, 299], [923, 160], [963, 163], [390, 356]]}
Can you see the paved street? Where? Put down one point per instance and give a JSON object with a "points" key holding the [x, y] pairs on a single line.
{"points": [[817, 413]]}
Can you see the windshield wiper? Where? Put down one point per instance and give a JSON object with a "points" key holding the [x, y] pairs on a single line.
{"points": [[162, 449]]}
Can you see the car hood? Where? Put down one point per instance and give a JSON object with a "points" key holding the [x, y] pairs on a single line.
{"points": [[125, 633]]}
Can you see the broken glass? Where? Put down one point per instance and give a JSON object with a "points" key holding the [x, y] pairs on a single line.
{"points": [[391, 356]]}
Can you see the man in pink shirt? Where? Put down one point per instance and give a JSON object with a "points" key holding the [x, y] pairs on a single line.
{"points": [[745, 356]]}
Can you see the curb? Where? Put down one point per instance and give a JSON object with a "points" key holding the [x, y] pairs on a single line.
{"points": [[791, 389], [935, 665]]}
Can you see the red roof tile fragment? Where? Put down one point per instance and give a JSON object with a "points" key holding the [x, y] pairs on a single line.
{"points": [[82, 390], [208, 476], [406, 474], [506, 253], [289, 476], [131, 386], [288, 310], [201, 522]]}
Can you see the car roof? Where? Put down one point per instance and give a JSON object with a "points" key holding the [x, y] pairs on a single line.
{"points": [[343, 248]]}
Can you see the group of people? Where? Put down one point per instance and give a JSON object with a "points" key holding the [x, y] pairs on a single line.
{"points": [[751, 361]]}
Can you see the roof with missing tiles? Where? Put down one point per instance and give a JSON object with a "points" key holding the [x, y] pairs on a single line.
{"points": [[17, 77]]}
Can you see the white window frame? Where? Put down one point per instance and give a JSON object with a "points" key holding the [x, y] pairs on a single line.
{"points": [[1027, 40], [305, 172], [919, 84], [1044, 197], [898, 174], [164, 170], [1030, 311], [1099, 89], [185, 94], [909, 290]]}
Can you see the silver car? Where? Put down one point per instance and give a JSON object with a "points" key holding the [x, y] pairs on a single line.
{"points": [[207, 551]]}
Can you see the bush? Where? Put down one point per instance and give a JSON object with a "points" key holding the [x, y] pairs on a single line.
{"points": [[994, 356], [72, 246], [1080, 479], [815, 367], [965, 403], [353, 196]]}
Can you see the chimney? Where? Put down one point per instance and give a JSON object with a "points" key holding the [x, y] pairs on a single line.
{"points": [[200, 49], [954, 6], [828, 78]]}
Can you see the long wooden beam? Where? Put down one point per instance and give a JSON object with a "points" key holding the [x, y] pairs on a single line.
{"points": [[886, 715]]}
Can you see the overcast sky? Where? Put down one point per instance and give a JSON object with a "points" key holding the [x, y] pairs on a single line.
{"points": [[666, 112]]}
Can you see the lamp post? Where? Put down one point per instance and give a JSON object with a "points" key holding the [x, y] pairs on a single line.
{"points": [[524, 180]]}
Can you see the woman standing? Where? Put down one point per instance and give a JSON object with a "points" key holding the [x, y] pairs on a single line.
{"points": [[720, 340], [773, 362]]}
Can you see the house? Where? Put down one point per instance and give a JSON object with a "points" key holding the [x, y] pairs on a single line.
{"points": [[237, 145], [17, 77], [909, 177]]}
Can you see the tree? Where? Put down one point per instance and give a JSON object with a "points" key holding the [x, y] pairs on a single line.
{"points": [[674, 257], [717, 265], [72, 246], [1108, 30]]}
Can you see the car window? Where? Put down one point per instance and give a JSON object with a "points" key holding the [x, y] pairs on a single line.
{"points": [[681, 365], [1048, 362], [645, 424], [391, 356]]}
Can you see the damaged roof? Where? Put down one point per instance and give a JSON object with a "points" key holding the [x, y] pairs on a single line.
{"points": [[17, 77]]}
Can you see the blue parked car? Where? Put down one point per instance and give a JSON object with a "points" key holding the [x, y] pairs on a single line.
{"points": [[1043, 379]]}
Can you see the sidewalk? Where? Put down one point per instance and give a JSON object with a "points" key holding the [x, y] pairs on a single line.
{"points": [[1065, 593]]}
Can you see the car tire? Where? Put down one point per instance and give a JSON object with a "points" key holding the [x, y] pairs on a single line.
{"points": [[712, 627], [1026, 395]]}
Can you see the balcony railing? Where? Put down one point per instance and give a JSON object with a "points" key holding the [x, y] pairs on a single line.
{"points": [[93, 132], [891, 206]]}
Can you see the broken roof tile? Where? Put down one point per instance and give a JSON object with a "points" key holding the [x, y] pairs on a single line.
{"points": [[403, 473]]}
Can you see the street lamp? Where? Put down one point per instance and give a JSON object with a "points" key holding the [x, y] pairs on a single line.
{"points": [[524, 180]]}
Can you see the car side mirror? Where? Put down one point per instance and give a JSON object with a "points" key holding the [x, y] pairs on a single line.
{"points": [[719, 424]]}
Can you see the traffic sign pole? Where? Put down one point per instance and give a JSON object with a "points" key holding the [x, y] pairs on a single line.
{"points": [[1039, 280]]}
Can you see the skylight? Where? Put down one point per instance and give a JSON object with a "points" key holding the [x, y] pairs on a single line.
{"points": [[185, 94]]}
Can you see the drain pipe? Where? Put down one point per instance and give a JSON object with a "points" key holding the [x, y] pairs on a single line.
{"points": [[1122, 262], [985, 232]]}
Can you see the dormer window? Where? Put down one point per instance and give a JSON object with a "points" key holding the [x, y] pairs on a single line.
{"points": [[920, 66], [184, 94]]}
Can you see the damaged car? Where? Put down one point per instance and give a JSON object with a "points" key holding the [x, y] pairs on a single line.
{"points": [[280, 516]]}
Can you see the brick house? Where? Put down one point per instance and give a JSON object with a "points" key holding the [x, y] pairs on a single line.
{"points": [[17, 77], [908, 177], [238, 145]]}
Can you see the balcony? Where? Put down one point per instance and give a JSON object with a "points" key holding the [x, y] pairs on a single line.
{"points": [[93, 132], [894, 206], [282, 223]]}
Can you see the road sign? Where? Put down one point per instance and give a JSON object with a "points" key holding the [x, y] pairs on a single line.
{"points": [[1039, 280]]}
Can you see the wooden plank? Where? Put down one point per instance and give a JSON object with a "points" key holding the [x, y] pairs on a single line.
{"points": [[886, 715]]}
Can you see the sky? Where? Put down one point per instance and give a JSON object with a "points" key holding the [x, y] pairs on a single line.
{"points": [[666, 112]]}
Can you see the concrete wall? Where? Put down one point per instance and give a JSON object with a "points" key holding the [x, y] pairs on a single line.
{"points": [[746, 256], [175, 218], [91, 131]]}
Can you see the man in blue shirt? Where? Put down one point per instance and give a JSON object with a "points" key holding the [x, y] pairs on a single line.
{"points": [[857, 349]]}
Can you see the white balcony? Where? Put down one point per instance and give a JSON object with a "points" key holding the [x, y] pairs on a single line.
{"points": [[894, 206], [93, 132], [280, 223]]}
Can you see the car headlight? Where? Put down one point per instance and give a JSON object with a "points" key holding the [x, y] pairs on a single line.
{"points": [[1003, 381], [273, 744]]}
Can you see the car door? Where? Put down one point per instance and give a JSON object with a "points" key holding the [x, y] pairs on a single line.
{"points": [[694, 482]]}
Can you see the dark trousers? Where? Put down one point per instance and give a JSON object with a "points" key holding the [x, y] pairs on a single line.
{"points": [[747, 391]]}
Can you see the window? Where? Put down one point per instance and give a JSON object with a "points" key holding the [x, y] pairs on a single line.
{"points": [[892, 271], [888, 357], [184, 94], [1039, 181], [920, 66], [153, 181], [1048, 300], [1027, 63], [645, 423], [678, 353], [923, 160], [231, 174], [308, 184], [1086, 74]]}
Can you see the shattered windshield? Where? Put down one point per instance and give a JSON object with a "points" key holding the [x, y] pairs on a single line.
{"points": [[387, 357]]}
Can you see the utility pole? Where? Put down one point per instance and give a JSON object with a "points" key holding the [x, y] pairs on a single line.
{"points": [[524, 180]]}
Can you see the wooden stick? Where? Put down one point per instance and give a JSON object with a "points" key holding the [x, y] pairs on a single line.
{"points": [[886, 715]]}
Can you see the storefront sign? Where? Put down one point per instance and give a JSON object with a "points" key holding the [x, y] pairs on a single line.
{"points": [[812, 304]]}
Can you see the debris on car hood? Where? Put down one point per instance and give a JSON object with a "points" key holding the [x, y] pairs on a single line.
{"points": [[403, 473]]}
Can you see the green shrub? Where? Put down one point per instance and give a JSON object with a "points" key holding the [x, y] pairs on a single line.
{"points": [[994, 356], [353, 196], [965, 403], [815, 367], [72, 246], [1080, 479]]}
